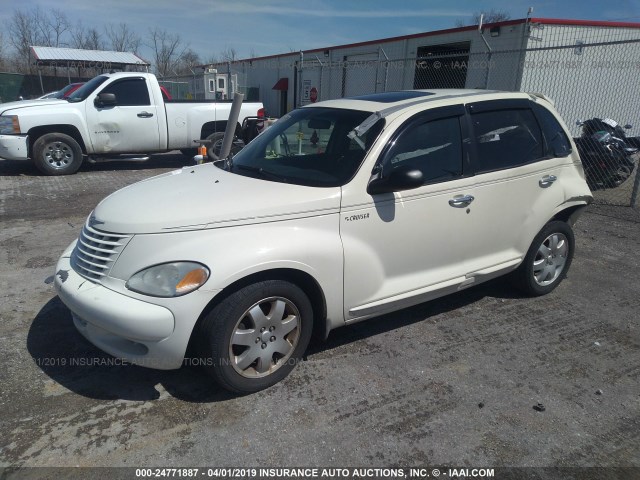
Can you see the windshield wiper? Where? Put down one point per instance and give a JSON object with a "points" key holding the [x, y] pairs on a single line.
{"points": [[262, 172]]}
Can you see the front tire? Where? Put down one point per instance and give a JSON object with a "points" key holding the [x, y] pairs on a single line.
{"points": [[255, 337], [547, 261], [57, 154]]}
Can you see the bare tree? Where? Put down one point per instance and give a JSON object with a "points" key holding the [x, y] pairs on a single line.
{"points": [[122, 38], [491, 16], [3, 53], [52, 27], [211, 60], [167, 50], [229, 54], [187, 61], [86, 38], [24, 31]]}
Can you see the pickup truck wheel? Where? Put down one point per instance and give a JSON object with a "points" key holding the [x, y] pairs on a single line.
{"points": [[57, 154], [547, 261], [213, 151], [256, 336]]}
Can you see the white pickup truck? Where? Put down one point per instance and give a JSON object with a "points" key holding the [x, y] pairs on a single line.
{"points": [[111, 115]]}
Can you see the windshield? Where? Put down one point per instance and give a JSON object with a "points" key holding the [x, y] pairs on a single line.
{"points": [[87, 89], [309, 146]]}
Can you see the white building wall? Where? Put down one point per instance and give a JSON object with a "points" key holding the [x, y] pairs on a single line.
{"points": [[581, 84]]}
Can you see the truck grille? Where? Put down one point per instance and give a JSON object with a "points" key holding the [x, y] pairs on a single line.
{"points": [[96, 252]]}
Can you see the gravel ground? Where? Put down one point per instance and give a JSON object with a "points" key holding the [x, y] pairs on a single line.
{"points": [[449, 382]]}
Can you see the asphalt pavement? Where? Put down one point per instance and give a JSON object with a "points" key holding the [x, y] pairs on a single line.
{"points": [[449, 382]]}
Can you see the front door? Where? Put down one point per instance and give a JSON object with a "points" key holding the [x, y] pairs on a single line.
{"points": [[131, 126], [401, 248]]}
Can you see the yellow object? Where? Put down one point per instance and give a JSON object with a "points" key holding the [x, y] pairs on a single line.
{"points": [[192, 280]]}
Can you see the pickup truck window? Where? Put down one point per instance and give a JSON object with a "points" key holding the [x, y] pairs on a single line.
{"points": [[310, 147], [129, 91], [87, 89]]}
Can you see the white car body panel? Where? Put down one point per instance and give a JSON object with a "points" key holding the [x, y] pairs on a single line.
{"points": [[368, 254]]}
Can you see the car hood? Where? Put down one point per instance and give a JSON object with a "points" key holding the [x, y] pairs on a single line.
{"points": [[207, 197], [5, 108]]}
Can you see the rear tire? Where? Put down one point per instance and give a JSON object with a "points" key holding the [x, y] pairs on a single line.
{"points": [[57, 154], [547, 261], [255, 337], [213, 150]]}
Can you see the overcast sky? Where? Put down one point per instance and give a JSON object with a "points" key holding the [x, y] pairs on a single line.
{"points": [[268, 27]]}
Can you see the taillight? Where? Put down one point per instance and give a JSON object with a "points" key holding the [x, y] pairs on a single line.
{"points": [[260, 113]]}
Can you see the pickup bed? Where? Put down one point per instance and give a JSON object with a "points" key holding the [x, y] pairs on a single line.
{"points": [[111, 115]]}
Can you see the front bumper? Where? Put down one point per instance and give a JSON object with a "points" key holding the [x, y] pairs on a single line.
{"points": [[127, 328], [14, 147]]}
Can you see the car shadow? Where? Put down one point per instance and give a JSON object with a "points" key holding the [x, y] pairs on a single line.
{"points": [[70, 360], [499, 288], [16, 168]]}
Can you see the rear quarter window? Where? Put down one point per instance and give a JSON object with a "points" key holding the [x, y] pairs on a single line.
{"points": [[556, 141]]}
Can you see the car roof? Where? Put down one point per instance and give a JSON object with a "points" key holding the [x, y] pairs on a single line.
{"points": [[397, 99]]}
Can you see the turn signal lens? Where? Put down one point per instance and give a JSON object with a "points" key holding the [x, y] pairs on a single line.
{"points": [[191, 281]]}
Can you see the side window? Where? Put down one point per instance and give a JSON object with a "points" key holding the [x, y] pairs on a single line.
{"points": [[556, 142], [506, 138], [129, 92], [433, 147]]}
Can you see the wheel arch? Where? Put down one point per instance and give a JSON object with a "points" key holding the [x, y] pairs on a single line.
{"points": [[302, 279], [36, 132], [569, 214], [214, 127]]}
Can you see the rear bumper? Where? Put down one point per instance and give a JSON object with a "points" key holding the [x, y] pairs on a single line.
{"points": [[14, 147]]}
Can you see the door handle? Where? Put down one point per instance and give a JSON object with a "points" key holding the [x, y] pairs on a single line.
{"points": [[547, 181], [145, 115], [461, 201]]}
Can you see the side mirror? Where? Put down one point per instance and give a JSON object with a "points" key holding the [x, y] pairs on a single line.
{"points": [[401, 178], [628, 126], [105, 100]]}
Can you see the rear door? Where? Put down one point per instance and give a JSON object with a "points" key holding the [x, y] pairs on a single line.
{"points": [[128, 127], [516, 167]]}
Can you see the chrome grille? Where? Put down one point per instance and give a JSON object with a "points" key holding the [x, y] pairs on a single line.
{"points": [[96, 252]]}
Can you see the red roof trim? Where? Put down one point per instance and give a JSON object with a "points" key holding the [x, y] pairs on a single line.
{"points": [[546, 21]]}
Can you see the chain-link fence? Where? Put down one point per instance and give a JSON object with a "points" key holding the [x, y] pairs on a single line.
{"points": [[212, 84], [595, 83]]}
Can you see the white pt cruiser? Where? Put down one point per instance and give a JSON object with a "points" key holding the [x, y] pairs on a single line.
{"points": [[341, 211]]}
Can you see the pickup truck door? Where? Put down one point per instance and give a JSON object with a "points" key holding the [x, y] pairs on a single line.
{"points": [[131, 126]]}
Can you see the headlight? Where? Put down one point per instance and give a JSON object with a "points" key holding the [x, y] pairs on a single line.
{"points": [[169, 279], [9, 124]]}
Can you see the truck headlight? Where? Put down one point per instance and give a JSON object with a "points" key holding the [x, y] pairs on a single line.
{"points": [[169, 279], [9, 124]]}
